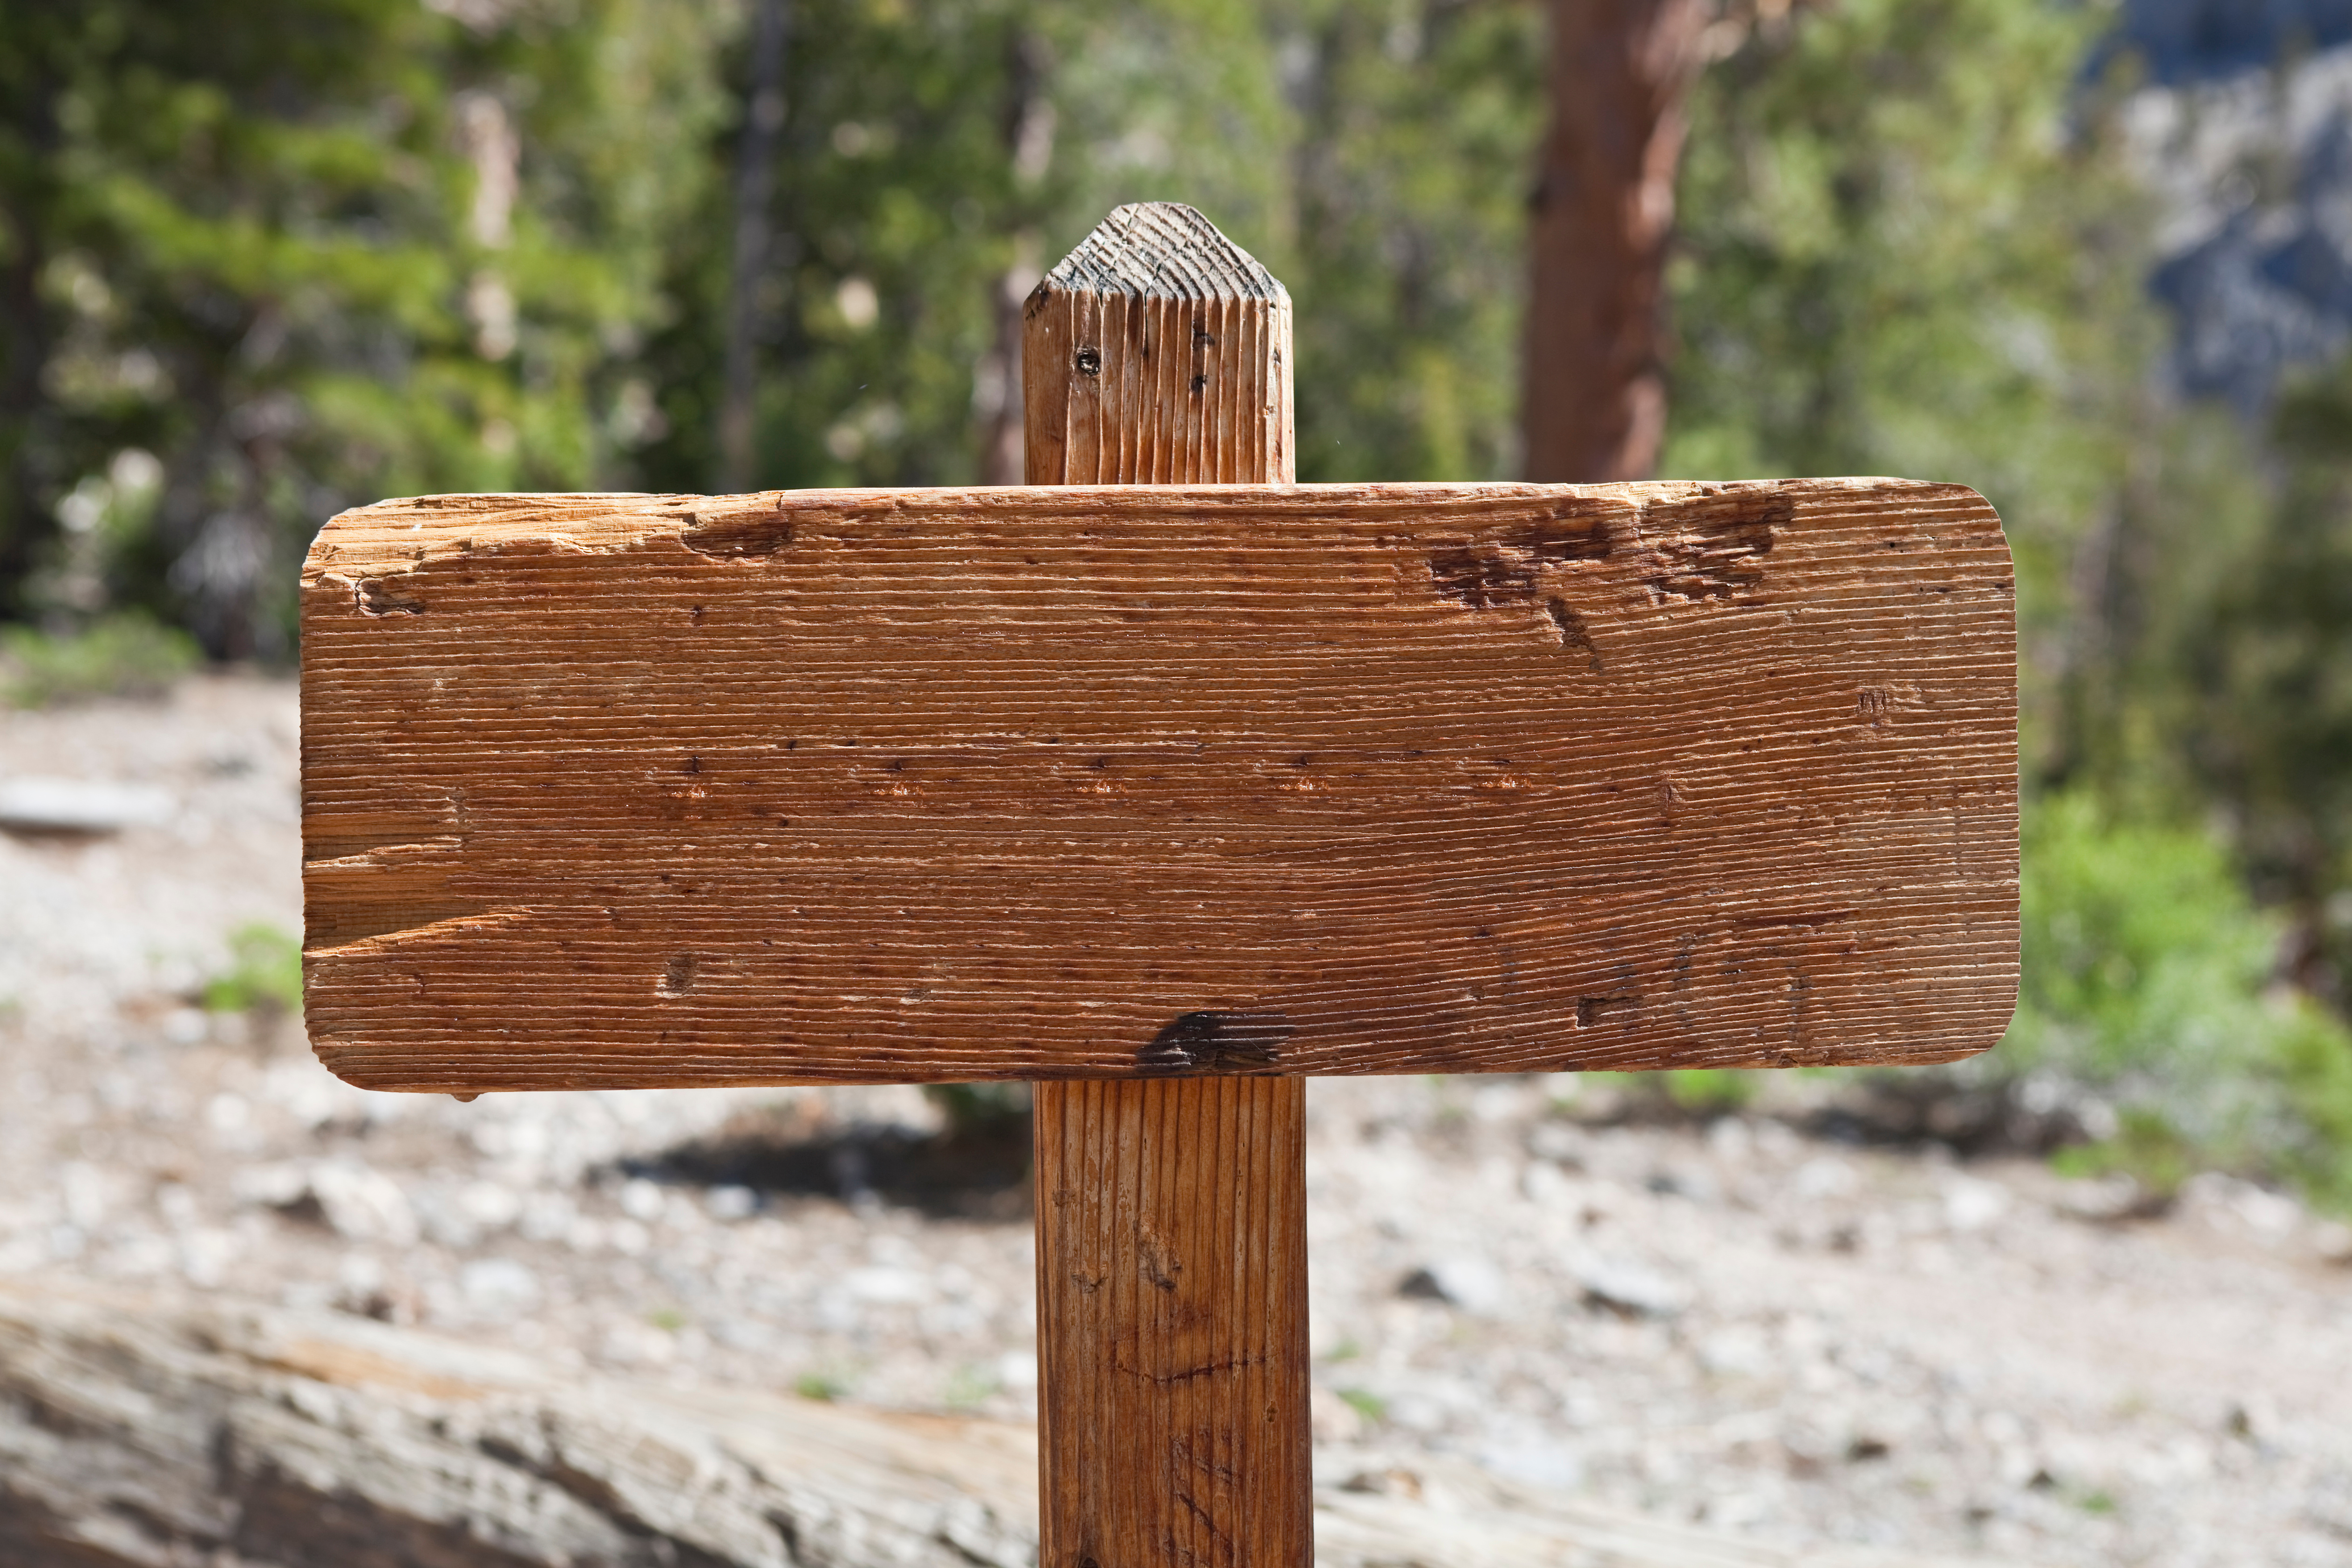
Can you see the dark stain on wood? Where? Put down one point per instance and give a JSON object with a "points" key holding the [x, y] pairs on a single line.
{"points": [[1209, 1041]]}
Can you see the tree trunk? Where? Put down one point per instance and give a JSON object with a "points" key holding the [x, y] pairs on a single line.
{"points": [[1595, 404], [1029, 121], [754, 181]]}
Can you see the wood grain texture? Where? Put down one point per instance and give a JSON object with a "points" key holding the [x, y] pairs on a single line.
{"points": [[1172, 1314], [1158, 354], [1172, 1414], [844, 786]]}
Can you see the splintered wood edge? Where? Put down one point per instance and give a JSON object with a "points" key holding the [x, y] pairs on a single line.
{"points": [[367, 550], [409, 532]]}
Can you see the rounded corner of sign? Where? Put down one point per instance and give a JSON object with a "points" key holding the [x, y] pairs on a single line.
{"points": [[1970, 495], [348, 1064], [1993, 1028], [330, 1055]]}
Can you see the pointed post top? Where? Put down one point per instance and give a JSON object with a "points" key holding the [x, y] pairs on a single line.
{"points": [[1157, 353], [1162, 250]]}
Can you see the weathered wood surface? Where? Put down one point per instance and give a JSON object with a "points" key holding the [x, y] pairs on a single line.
{"points": [[888, 786], [1157, 352], [1173, 1420], [148, 1433], [1171, 1322]]}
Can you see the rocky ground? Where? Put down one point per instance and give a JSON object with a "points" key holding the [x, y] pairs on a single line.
{"points": [[1795, 1339]]}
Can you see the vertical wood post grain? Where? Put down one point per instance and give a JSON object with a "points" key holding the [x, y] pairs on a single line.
{"points": [[1171, 1213]]}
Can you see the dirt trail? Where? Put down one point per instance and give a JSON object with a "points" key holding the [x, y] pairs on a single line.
{"points": [[1800, 1342]]}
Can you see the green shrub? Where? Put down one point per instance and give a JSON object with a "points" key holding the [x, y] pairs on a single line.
{"points": [[1710, 1091], [124, 655], [2149, 984], [2149, 977], [825, 1387], [1675, 1095], [266, 972], [979, 1107]]}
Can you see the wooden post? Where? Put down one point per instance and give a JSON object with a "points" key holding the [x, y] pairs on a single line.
{"points": [[1171, 1212]]}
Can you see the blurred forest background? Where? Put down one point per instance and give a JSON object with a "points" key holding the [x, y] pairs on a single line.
{"points": [[264, 260]]}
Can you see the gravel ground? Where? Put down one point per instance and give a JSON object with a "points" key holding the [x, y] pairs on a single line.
{"points": [[1791, 1339]]}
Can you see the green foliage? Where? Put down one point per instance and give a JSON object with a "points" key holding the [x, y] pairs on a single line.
{"points": [[971, 1385], [1912, 244], [1410, 160], [1710, 1091], [1908, 246], [124, 655], [269, 260], [265, 972], [2145, 1147], [308, 254], [825, 1387], [2272, 662], [1686, 1091], [979, 1107], [1365, 1403], [2149, 975], [1371, 154]]}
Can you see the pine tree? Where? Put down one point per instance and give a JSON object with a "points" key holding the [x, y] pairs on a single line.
{"points": [[308, 252]]}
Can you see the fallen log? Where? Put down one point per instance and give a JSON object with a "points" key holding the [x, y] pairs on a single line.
{"points": [[152, 1434]]}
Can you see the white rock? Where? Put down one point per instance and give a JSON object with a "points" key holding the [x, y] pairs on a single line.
{"points": [[88, 1193], [1497, 1102], [1730, 1139], [547, 1217], [1826, 1175], [489, 1204], [205, 1255], [37, 804], [1535, 1460], [1628, 1288], [731, 1203], [498, 1287], [1332, 1419], [887, 1286], [1467, 1282], [362, 1204], [2235, 1205], [1545, 1184], [1555, 1140], [1017, 1369], [1736, 1350], [278, 1185], [1971, 1205], [642, 1201]]}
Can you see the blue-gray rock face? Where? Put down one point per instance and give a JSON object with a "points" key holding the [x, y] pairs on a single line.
{"points": [[2246, 129]]}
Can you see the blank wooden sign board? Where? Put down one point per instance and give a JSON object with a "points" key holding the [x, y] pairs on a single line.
{"points": [[1162, 787]]}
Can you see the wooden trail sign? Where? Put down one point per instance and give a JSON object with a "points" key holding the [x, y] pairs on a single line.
{"points": [[834, 785], [1164, 794]]}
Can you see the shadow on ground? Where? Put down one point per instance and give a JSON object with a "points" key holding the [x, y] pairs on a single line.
{"points": [[976, 1166]]}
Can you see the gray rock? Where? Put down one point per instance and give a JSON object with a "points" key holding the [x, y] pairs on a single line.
{"points": [[36, 804]]}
